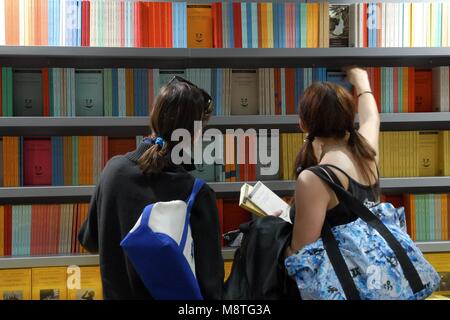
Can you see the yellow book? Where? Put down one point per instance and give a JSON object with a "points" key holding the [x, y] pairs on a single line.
{"points": [[269, 25], [380, 154], [49, 283], [428, 153], [2, 228], [15, 284], [316, 13], [444, 153], [416, 153], [84, 283], [283, 156], [309, 26], [199, 26], [387, 152], [440, 261], [325, 25]]}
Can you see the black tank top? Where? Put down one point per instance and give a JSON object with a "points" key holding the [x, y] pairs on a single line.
{"points": [[339, 214]]}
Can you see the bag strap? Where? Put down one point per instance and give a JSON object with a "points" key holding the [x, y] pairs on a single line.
{"points": [[337, 261], [359, 209], [198, 184]]}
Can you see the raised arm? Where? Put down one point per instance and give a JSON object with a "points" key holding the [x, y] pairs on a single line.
{"points": [[369, 118]]}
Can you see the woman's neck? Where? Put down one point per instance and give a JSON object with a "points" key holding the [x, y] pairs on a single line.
{"points": [[323, 145]]}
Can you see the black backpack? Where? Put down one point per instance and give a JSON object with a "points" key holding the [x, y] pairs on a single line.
{"points": [[258, 271]]}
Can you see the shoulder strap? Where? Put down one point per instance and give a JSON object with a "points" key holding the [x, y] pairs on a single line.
{"points": [[334, 177], [372, 220], [198, 184]]}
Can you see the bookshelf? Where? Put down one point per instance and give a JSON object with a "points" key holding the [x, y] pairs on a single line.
{"points": [[129, 126], [93, 259], [99, 57], [222, 189]]}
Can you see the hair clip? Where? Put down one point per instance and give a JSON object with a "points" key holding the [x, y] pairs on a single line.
{"points": [[160, 141]]}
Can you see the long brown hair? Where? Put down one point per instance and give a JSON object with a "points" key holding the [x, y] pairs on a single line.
{"points": [[177, 106], [328, 110]]}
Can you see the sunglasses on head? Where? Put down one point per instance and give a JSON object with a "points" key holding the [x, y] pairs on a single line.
{"points": [[209, 102]]}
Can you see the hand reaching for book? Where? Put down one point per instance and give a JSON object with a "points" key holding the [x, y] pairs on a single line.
{"points": [[358, 78]]}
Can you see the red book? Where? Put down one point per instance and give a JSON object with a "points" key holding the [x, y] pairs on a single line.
{"points": [[7, 231], [364, 28], [237, 24], [395, 199], [56, 226], [74, 227], [259, 26], [45, 93], [377, 80], [233, 215], [411, 89], [219, 203], [34, 230], [120, 146], [158, 24], [37, 161], [85, 23], [169, 29], [214, 16], [423, 90], [152, 25], [219, 25]]}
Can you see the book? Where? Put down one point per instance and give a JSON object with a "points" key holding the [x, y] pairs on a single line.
{"points": [[244, 87], [262, 201], [27, 93], [339, 25], [37, 158], [199, 26], [423, 89], [89, 286], [88, 93], [15, 284], [49, 283], [428, 153]]}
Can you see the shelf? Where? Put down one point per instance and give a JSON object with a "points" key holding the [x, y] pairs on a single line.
{"points": [[131, 126], [93, 259], [67, 260], [223, 189], [96, 57]]}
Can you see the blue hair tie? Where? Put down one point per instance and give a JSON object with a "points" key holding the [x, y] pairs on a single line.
{"points": [[160, 141]]}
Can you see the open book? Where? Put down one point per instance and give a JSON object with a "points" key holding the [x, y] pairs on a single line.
{"points": [[262, 201]]}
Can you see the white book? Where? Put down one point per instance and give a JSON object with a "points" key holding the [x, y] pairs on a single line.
{"points": [[268, 202], [92, 30], [383, 25], [445, 25], [406, 37], [427, 25], [398, 25]]}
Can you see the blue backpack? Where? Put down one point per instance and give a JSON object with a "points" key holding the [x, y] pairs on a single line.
{"points": [[161, 249]]}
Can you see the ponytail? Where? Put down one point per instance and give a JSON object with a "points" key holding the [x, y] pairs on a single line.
{"points": [[154, 159], [306, 157]]}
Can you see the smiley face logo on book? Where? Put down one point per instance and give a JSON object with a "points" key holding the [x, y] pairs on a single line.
{"points": [[38, 171], [244, 102], [199, 37], [88, 103], [426, 162], [28, 103]]}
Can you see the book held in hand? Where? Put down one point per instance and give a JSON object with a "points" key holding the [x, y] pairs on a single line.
{"points": [[262, 201]]}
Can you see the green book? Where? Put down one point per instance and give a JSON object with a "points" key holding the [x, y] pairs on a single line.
{"points": [[27, 93], [89, 93]]}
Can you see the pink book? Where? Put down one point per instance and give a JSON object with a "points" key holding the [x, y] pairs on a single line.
{"points": [[395, 80], [37, 162]]}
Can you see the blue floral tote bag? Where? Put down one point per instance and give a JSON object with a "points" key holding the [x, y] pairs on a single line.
{"points": [[371, 258]]}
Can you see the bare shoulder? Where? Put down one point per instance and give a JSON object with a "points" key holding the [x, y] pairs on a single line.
{"points": [[310, 185]]}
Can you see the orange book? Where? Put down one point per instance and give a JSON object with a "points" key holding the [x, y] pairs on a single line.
{"points": [[90, 160], [11, 161], [67, 149], [199, 26], [43, 39], [405, 93], [12, 22], [312, 25], [259, 6], [264, 32]]}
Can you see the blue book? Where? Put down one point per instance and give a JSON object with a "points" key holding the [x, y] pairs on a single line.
{"points": [[301, 82], [283, 25], [230, 25], [254, 21], [376, 26], [338, 77], [249, 24], [15, 230], [244, 25], [79, 23], [184, 23], [275, 25], [175, 26], [115, 93], [56, 22], [298, 33]]}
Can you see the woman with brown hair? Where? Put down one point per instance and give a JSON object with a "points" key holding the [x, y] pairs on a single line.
{"points": [[327, 113], [147, 175]]}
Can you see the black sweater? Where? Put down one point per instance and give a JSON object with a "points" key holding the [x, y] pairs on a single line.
{"points": [[120, 196]]}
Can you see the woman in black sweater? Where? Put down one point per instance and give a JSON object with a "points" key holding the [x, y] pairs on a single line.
{"points": [[129, 183]]}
